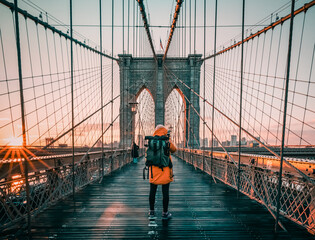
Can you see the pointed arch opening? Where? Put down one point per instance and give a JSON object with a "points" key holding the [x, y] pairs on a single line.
{"points": [[175, 116], [145, 116]]}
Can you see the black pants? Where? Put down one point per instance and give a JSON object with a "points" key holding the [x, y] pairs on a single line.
{"points": [[165, 191]]}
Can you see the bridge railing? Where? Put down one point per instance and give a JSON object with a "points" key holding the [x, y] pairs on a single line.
{"points": [[297, 201], [50, 181]]}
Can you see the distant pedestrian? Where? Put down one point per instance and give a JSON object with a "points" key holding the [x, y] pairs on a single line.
{"points": [[135, 152]]}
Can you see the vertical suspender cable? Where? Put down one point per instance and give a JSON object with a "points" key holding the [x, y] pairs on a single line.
{"points": [[18, 50], [72, 99], [241, 100], [123, 72], [189, 26], [112, 92], [139, 34], [42, 78], [204, 86], [137, 30], [213, 82], [123, 26], [195, 19], [133, 28], [284, 113], [307, 93], [185, 44], [182, 34], [51, 81], [296, 76], [101, 66], [128, 26], [6, 77], [194, 96]]}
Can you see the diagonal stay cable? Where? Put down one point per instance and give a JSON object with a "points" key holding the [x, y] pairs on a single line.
{"points": [[271, 26], [244, 130], [53, 29], [66, 132], [83, 157], [233, 161]]}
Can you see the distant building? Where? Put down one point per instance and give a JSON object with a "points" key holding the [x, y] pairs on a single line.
{"points": [[226, 143], [215, 143], [233, 140], [204, 142]]}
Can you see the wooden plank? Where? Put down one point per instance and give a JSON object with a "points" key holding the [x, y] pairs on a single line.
{"points": [[117, 208]]}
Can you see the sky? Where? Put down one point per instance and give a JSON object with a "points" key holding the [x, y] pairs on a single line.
{"points": [[86, 27], [159, 13]]}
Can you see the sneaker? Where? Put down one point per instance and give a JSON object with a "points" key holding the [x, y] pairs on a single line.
{"points": [[166, 216], [151, 215]]}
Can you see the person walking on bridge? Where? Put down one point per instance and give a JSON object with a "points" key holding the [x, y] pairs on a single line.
{"points": [[135, 152], [161, 175]]}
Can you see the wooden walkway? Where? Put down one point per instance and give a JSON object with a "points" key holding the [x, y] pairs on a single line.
{"points": [[117, 208]]}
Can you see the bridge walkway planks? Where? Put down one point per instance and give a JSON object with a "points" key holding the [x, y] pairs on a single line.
{"points": [[117, 209]]}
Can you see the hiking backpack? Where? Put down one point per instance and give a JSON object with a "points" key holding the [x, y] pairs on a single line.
{"points": [[158, 152]]}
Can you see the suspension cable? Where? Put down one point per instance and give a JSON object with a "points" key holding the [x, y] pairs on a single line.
{"points": [[271, 26], [146, 26], [235, 163], [244, 130], [177, 9], [53, 29]]}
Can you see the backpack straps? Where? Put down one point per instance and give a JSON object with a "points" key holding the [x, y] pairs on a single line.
{"points": [[147, 168], [144, 172], [148, 174]]}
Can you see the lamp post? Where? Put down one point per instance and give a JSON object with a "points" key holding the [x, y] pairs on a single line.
{"points": [[133, 108]]}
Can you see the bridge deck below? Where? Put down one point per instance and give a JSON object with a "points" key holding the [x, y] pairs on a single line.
{"points": [[117, 209]]}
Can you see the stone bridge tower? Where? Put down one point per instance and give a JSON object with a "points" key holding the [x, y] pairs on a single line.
{"points": [[137, 74]]}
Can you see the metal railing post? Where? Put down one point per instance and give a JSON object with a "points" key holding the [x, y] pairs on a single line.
{"points": [[284, 114]]}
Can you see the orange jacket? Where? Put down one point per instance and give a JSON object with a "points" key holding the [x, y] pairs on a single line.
{"points": [[165, 175]]}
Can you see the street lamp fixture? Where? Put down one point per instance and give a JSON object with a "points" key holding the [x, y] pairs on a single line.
{"points": [[134, 107]]}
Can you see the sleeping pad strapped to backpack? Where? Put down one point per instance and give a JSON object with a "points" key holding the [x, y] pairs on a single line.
{"points": [[158, 152]]}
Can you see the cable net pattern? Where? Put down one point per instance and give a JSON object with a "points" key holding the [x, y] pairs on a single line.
{"points": [[297, 195], [39, 174]]}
